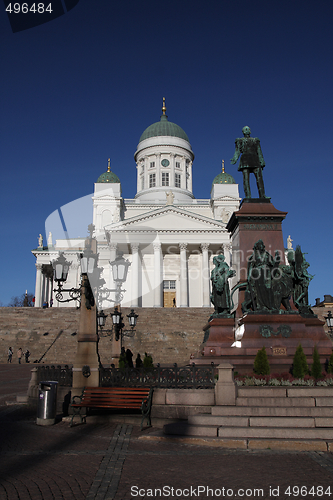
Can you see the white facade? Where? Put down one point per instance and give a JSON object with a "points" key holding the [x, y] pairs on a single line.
{"points": [[168, 236]]}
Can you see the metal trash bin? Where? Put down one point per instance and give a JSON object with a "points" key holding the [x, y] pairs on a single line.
{"points": [[47, 403]]}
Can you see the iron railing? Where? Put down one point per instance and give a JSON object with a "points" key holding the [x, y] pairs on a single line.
{"points": [[61, 374], [185, 377]]}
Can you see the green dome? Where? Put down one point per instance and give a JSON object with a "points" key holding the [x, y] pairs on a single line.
{"points": [[164, 127], [224, 178], [108, 177]]}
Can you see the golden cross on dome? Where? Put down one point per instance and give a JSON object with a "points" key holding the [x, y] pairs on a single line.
{"points": [[163, 107]]}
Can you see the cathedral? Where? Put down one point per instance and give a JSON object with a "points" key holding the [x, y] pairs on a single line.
{"points": [[167, 236]]}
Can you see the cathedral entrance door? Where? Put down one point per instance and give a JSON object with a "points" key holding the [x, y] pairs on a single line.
{"points": [[169, 293], [168, 299]]}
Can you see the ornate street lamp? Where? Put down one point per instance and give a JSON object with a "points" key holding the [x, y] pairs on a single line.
{"points": [[101, 318], [132, 318], [329, 322], [119, 268], [60, 269], [117, 323], [88, 261], [61, 266]]}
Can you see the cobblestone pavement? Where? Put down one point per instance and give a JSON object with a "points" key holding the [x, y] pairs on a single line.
{"points": [[106, 461]]}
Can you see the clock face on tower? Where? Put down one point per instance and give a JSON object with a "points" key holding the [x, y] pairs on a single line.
{"points": [[165, 163]]}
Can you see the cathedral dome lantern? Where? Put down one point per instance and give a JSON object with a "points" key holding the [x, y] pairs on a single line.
{"points": [[164, 162], [108, 176], [223, 177], [224, 196]]}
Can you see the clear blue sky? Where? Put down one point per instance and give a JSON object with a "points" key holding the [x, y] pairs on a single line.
{"points": [[82, 88]]}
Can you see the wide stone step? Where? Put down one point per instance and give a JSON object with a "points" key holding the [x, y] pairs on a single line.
{"points": [[272, 401], [274, 432], [272, 411], [210, 420], [185, 429], [230, 432], [264, 421], [263, 392], [287, 391]]}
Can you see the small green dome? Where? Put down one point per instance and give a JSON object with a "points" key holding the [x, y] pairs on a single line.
{"points": [[164, 127], [108, 176], [224, 178]]}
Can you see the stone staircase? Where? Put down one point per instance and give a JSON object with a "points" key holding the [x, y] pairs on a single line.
{"points": [[273, 417]]}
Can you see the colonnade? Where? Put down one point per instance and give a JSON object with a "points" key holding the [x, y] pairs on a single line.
{"points": [[157, 275]]}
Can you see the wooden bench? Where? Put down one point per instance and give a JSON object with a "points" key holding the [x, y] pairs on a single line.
{"points": [[112, 398]]}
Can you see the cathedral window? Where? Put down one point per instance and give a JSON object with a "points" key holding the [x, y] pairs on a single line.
{"points": [[169, 284], [152, 164], [177, 181], [165, 178], [177, 164], [152, 180]]}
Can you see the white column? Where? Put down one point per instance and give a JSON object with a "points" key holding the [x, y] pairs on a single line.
{"points": [[43, 288], [138, 177], [227, 252], [157, 275], [205, 275], [158, 170], [172, 170], [47, 290], [38, 288], [190, 177], [112, 285], [183, 276], [135, 275]]}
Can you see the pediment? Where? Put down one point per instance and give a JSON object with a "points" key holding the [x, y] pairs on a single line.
{"points": [[169, 218], [227, 198]]}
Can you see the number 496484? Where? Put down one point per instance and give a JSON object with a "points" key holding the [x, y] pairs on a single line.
{"points": [[36, 8]]}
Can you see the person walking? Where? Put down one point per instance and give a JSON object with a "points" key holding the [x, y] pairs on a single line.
{"points": [[10, 355], [26, 355], [19, 355]]}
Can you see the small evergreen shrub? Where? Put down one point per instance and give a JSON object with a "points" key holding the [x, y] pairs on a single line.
{"points": [[261, 364], [300, 365], [148, 362], [316, 370]]}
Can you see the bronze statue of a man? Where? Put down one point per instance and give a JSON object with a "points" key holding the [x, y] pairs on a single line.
{"points": [[220, 295], [252, 160]]}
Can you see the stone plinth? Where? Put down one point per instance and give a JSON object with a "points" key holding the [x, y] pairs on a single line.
{"points": [[221, 334], [280, 334], [87, 352], [225, 388], [256, 219]]}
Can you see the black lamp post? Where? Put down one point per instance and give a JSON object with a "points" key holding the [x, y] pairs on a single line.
{"points": [[117, 320], [329, 322]]}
